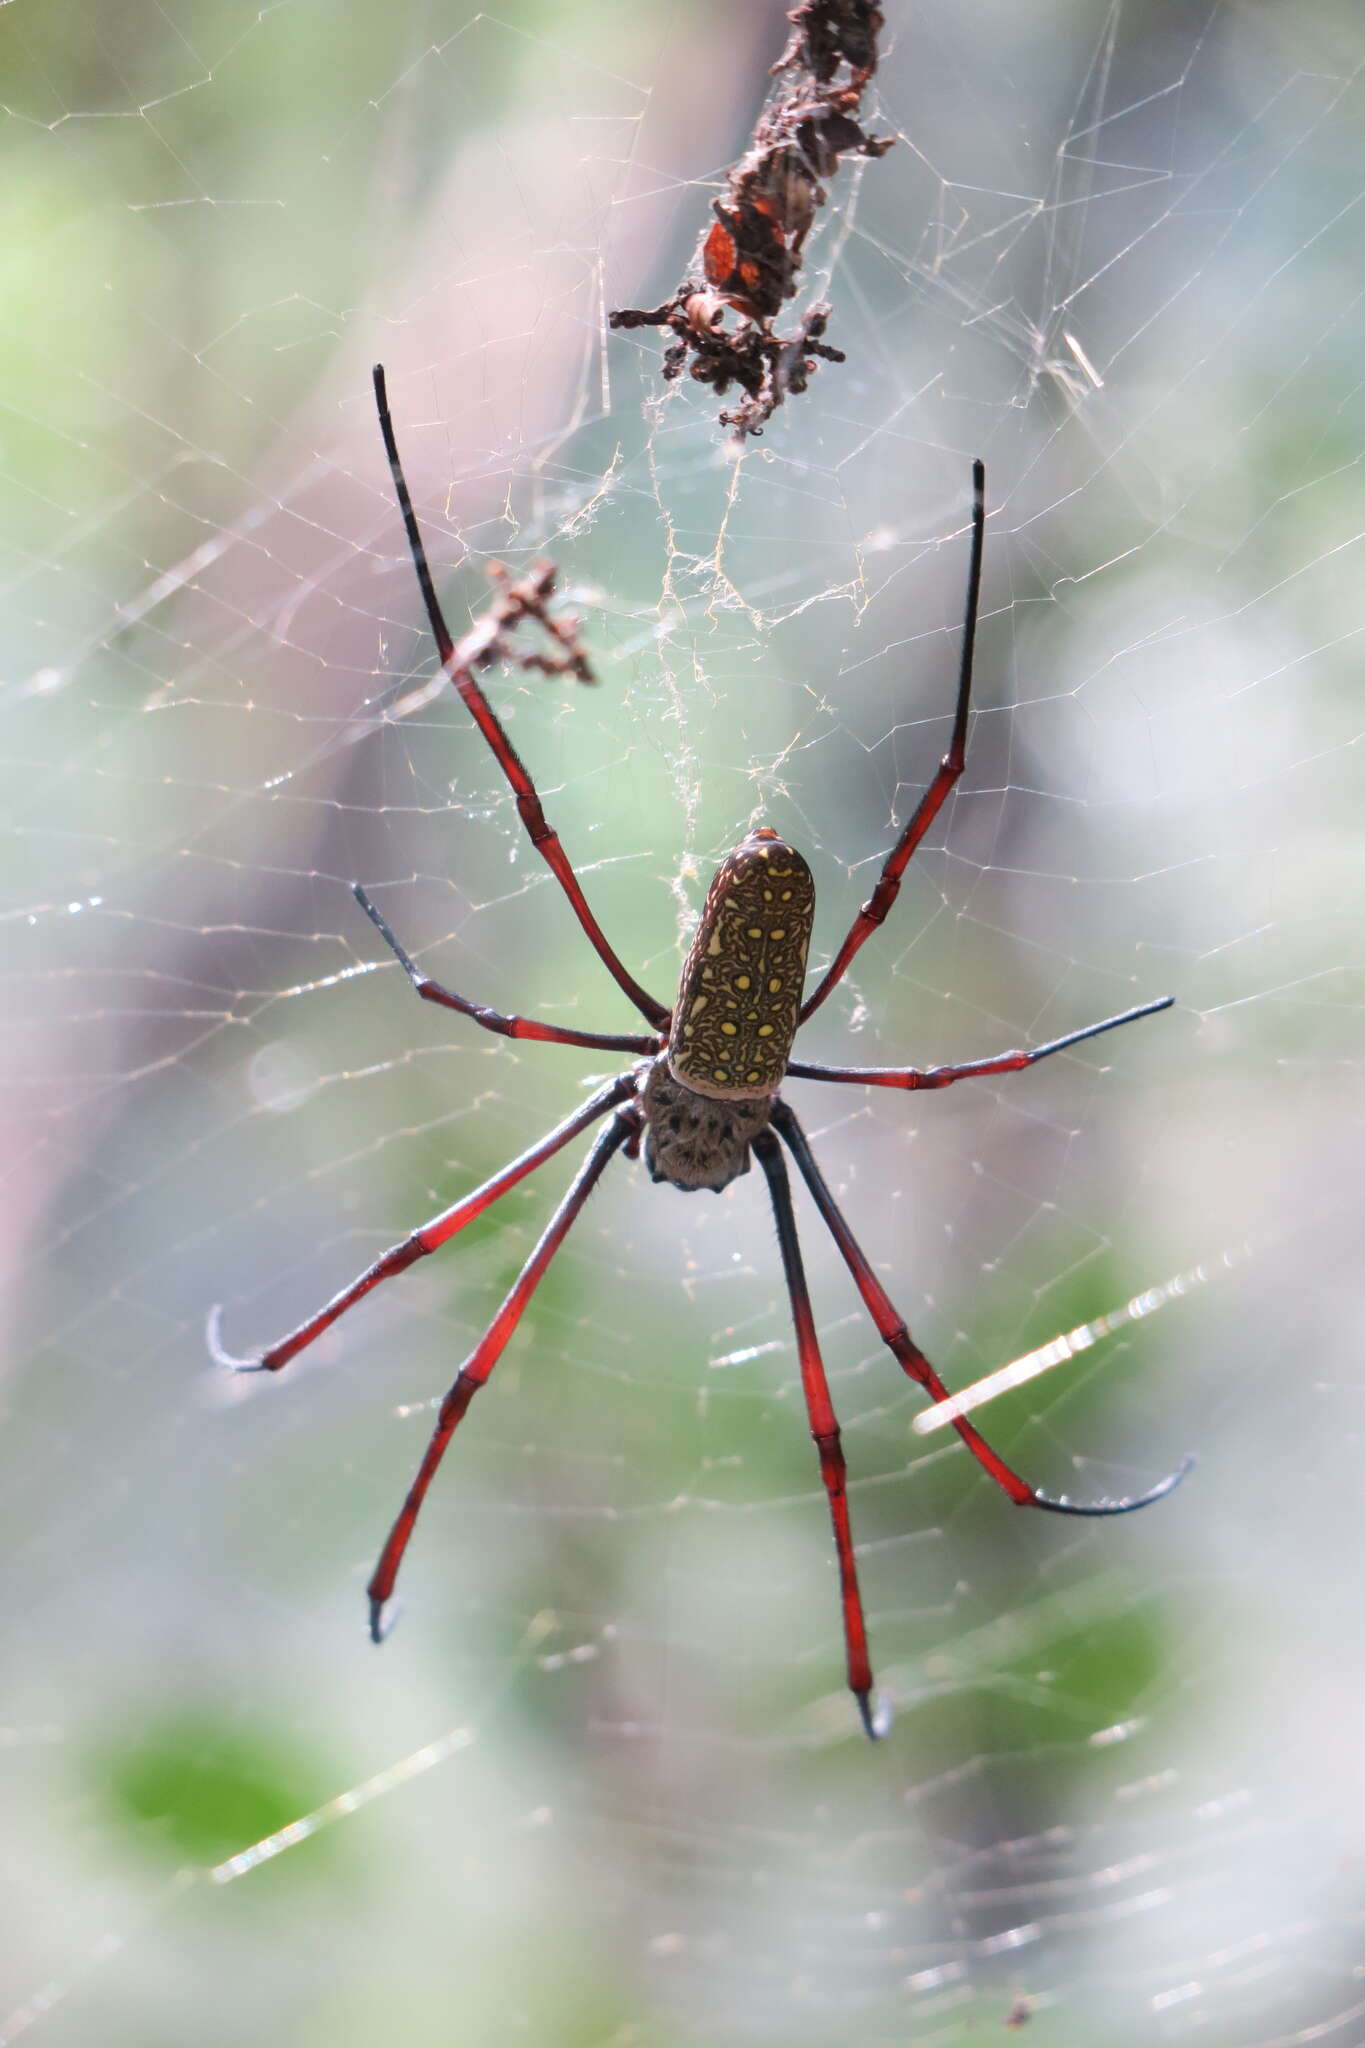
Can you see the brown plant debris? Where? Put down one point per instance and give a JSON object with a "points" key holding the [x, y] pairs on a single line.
{"points": [[749, 261], [488, 641]]}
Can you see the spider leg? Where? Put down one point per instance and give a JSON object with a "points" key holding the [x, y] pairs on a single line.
{"points": [[912, 1360], [542, 836], [493, 1020], [427, 1238], [485, 1356], [1001, 1063], [950, 767], [824, 1428]]}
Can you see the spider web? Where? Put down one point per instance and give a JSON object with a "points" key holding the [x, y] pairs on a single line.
{"points": [[603, 1784]]}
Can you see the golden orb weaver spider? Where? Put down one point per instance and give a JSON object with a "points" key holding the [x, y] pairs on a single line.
{"points": [[705, 1091]]}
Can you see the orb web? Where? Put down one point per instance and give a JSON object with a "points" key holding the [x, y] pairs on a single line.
{"points": [[1115, 255]]}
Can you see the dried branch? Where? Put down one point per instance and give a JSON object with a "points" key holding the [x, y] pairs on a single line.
{"points": [[750, 258], [488, 641]]}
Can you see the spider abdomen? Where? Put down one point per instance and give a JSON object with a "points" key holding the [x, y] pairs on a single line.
{"points": [[742, 981]]}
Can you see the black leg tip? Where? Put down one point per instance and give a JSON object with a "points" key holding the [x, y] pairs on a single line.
{"points": [[379, 1627], [876, 1715], [1096, 1508]]}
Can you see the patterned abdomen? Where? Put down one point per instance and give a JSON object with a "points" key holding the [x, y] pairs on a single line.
{"points": [[741, 986]]}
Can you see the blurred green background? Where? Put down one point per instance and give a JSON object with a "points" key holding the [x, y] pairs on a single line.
{"points": [[603, 1785]]}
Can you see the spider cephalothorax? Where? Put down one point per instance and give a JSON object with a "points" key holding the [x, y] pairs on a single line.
{"points": [[696, 1141], [706, 1091]]}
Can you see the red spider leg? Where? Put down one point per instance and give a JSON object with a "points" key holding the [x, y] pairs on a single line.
{"points": [[493, 1020], [824, 1427], [543, 837], [427, 1238], [912, 1360], [1001, 1063], [950, 767], [484, 1357]]}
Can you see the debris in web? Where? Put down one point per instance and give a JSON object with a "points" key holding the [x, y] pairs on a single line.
{"points": [[488, 642], [749, 261]]}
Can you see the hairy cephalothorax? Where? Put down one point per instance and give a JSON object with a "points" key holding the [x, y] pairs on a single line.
{"points": [[705, 1091], [697, 1141]]}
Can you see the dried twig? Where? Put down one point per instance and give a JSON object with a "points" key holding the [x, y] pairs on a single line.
{"points": [[488, 641], [750, 259]]}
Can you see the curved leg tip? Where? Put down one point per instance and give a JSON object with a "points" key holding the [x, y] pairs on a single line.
{"points": [[381, 1624], [875, 1713], [213, 1334], [1060, 1505]]}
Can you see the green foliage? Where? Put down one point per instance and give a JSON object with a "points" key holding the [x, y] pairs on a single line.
{"points": [[192, 1788]]}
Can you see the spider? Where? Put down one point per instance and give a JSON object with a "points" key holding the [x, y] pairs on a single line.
{"points": [[703, 1095]]}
